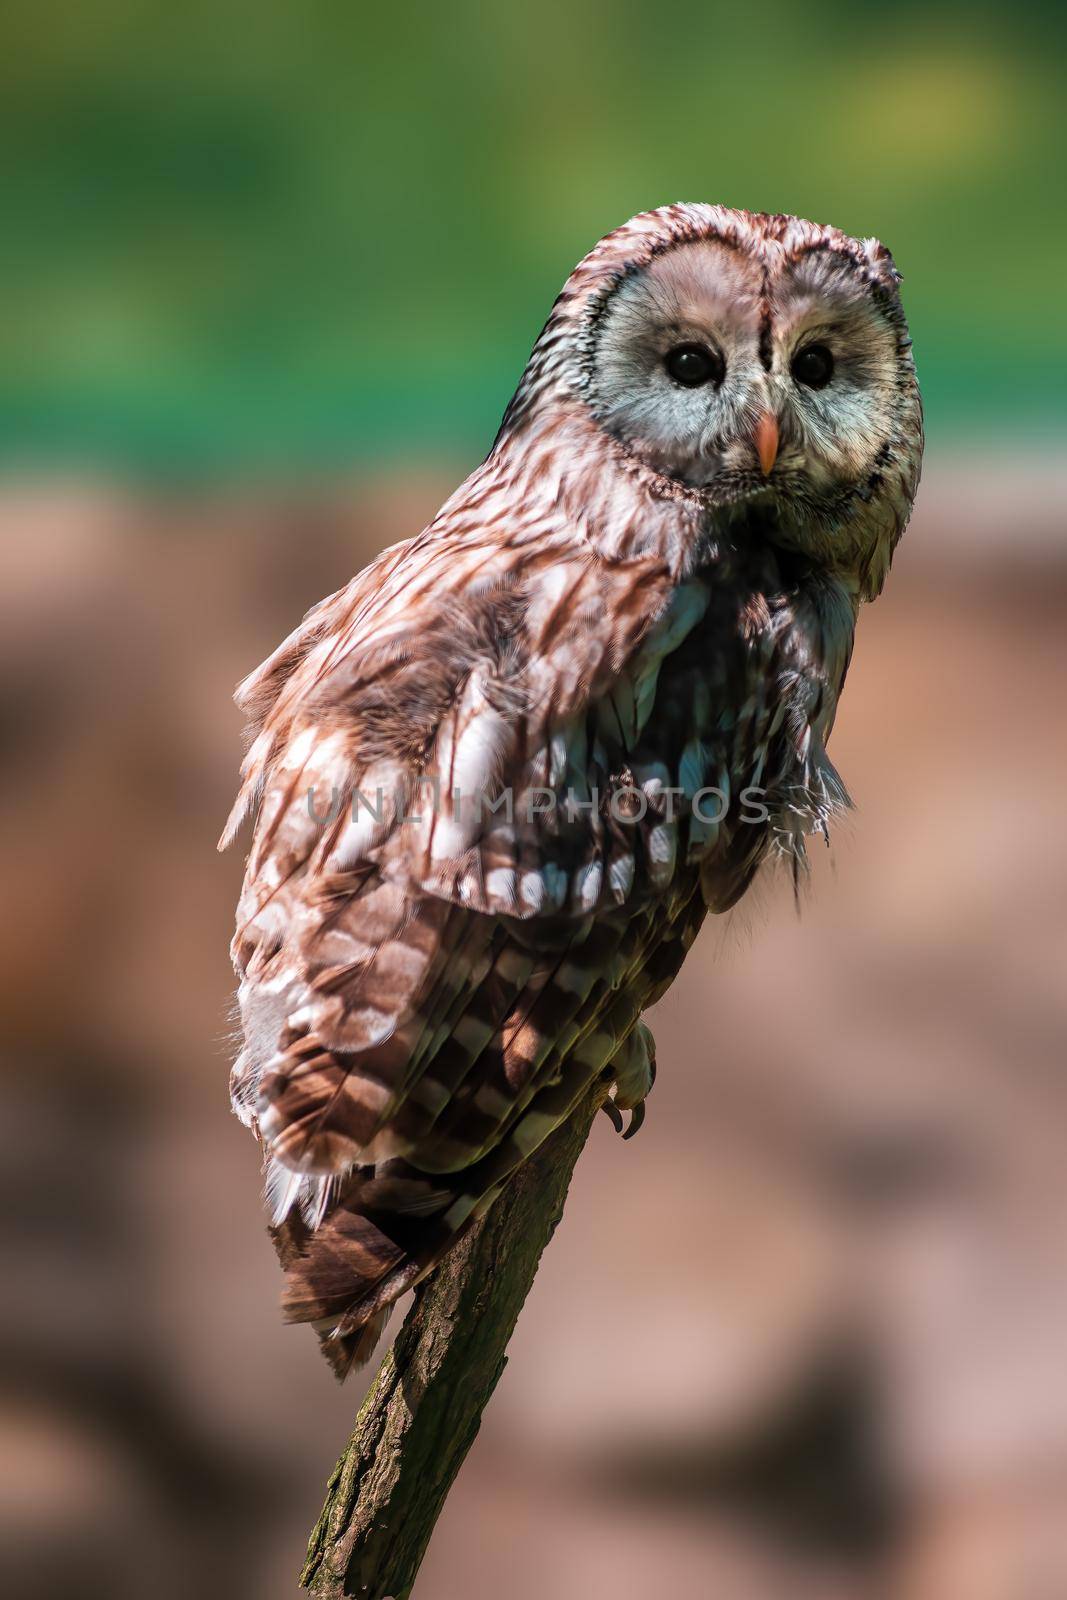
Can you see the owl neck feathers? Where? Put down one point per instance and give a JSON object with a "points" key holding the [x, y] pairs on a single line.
{"points": [[571, 478], [566, 471]]}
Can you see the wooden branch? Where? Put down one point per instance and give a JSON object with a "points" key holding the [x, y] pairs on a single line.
{"points": [[424, 1408]]}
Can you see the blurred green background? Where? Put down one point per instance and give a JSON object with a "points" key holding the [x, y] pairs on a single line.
{"points": [[249, 236]]}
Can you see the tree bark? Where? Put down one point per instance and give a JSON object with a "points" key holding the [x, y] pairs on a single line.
{"points": [[424, 1408]]}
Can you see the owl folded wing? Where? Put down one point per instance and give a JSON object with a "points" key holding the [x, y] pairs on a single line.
{"points": [[441, 812]]}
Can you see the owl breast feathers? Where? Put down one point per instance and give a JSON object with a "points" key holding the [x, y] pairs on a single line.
{"points": [[502, 776]]}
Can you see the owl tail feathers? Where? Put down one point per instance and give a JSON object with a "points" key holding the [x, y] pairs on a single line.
{"points": [[344, 1276], [347, 1352]]}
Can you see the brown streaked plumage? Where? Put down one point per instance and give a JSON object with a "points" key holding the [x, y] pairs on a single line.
{"points": [[647, 590]]}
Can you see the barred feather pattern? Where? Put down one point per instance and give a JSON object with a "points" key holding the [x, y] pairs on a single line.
{"points": [[527, 702]]}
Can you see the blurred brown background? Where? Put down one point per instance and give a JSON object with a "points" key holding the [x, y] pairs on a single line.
{"points": [[849, 1200], [269, 275]]}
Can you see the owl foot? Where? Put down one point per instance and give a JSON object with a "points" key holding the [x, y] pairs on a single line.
{"points": [[634, 1070]]}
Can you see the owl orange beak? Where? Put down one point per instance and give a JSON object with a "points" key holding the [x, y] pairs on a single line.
{"points": [[765, 438]]}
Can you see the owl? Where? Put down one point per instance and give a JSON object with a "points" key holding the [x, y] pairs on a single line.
{"points": [[500, 779]]}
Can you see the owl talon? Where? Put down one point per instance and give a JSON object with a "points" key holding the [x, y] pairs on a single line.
{"points": [[637, 1117], [614, 1115]]}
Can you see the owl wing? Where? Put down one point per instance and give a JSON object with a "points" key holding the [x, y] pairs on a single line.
{"points": [[416, 972]]}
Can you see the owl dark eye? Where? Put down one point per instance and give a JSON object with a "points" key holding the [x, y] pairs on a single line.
{"points": [[813, 366], [694, 364]]}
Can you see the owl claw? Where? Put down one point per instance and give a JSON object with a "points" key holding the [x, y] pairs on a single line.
{"points": [[637, 1117], [614, 1115]]}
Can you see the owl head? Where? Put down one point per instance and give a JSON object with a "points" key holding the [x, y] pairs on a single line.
{"points": [[757, 367]]}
